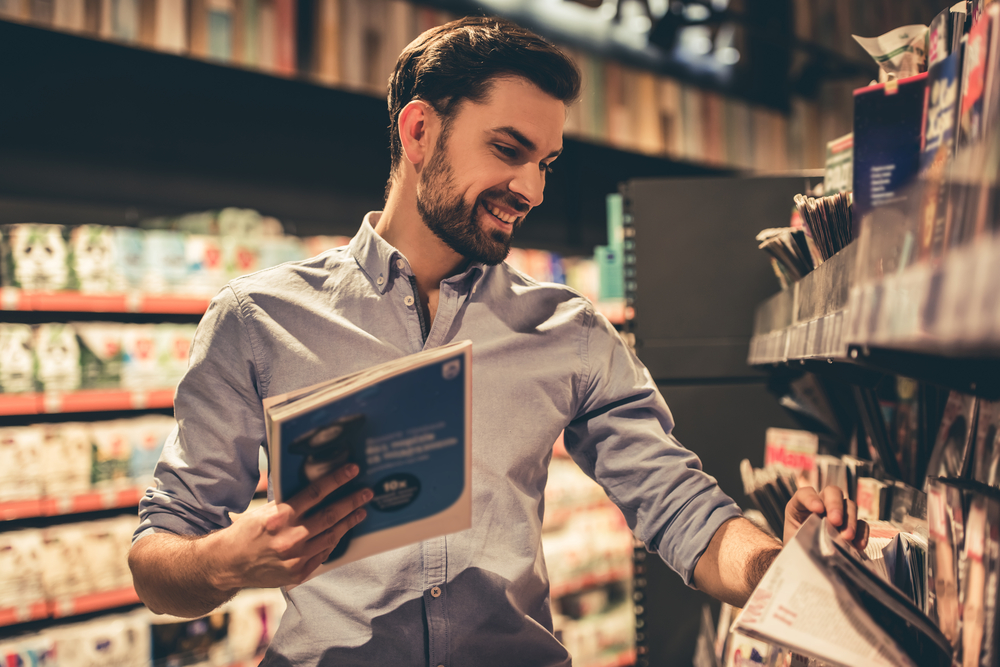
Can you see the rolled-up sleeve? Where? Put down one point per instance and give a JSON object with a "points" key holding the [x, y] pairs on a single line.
{"points": [[621, 437], [209, 466]]}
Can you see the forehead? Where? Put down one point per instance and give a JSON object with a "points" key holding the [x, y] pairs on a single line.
{"points": [[518, 103]]}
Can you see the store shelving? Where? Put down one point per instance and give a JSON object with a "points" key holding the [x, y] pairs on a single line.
{"points": [[85, 400], [93, 501], [930, 320], [559, 589], [70, 606], [14, 299]]}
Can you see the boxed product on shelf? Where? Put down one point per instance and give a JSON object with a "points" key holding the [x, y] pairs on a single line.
{"points": [[87, 557], [120, 639], [129, 263], [35, 256], [205, 270], [92, 258], [112, 448], [68, 453], [57, 357], [165, 261], [17, 358], [602, 639], [101, 354], [21, 452], [21, 566], [148, 433]]}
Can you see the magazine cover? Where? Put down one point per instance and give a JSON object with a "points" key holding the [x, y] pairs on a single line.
{"points": [[987, 456], [406, 424]]}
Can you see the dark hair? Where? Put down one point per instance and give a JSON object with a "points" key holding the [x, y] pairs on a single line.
{"points": [[459, 60]]}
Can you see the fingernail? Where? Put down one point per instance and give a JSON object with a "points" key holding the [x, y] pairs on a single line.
{"points": [[361, 515], [352, 469], [368, 495]]}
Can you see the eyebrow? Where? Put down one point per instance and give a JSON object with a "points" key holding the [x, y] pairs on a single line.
{"points": [[516, 135]]}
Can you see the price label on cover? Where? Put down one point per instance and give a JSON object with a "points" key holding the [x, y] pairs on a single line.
{"points": [[395, 492]]}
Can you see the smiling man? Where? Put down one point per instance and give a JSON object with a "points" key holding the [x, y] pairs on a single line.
{"points": [[477, 109]]}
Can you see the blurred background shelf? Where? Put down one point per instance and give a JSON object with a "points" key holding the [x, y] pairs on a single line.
{"points": [[86, 400], [14, 299]]}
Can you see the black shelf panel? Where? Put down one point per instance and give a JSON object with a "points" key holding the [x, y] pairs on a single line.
{"points": [[87, 121]]}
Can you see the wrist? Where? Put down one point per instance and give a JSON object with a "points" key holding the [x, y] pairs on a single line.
{"points": [[215, 553]]}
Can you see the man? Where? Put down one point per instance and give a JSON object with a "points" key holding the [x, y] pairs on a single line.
{"points": [[477, 109]]}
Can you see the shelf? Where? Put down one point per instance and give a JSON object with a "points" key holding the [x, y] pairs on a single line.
{"points": [[23, 614], [93, 501], [86, 604], [86, 400], [66, 607], [559, 589], [12, 298]]}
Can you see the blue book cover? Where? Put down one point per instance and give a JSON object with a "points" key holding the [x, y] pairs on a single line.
{"points": [[887, 127], [938, 141], [406, 424]]}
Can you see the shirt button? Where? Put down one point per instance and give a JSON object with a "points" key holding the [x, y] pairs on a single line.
{"points": [[400, 264], [435, 592], [408, 300], [380, 280]]}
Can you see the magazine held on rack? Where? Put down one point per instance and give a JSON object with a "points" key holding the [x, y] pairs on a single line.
{"points": [[406, 424]]}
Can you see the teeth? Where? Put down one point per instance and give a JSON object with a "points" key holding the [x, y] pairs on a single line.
{"points": [[500, 214]]}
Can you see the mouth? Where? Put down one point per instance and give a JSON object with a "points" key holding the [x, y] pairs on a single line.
{"points": [[500, 216]]}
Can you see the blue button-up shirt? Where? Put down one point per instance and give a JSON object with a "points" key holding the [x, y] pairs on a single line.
{"points": [[543, 361]]}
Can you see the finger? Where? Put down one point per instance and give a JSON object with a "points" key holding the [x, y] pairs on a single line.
{"points": [[833, 502], [861, 536], [325, 542], [336, 512], [312, 495], [850, 524], [805, 502]]}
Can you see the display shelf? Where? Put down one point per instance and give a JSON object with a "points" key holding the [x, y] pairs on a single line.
{"points": [[71, 606], [807, 321], [86, 604], [94, 501], [12, 298], [561, 588], [86, 400], [937, 321], [23, 613], [623, 659]]}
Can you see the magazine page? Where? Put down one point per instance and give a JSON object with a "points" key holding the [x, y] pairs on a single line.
{"points": [[406, 424], [801, 604]]}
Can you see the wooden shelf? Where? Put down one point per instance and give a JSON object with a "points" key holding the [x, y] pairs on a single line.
{"points": [[86, 400]]}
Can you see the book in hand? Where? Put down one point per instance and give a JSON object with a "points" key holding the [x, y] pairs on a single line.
{"points": [[822, 599], [407, 424]]}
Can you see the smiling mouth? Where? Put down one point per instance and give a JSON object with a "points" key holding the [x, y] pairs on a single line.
{"points": [[499, 215]]}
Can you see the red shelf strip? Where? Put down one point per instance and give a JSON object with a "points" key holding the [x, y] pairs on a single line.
{"points": [[31, 612], [85, 400], [93, 602], [62, 505], [117, 302]]}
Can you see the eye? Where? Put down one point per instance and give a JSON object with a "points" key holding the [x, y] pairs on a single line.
{"points": [[506, 151], [547, 168]]}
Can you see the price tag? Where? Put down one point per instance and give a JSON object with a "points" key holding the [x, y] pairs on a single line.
{"points": [[140, 400], [10, 298], [52, 401]]}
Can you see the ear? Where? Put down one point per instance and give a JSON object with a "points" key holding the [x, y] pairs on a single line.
{"points": [[417, 121]]}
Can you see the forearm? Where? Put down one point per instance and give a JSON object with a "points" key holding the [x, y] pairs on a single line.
{"points": [[178, 575], [735, 561]]}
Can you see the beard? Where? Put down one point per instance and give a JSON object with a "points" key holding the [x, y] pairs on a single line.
{"points": [[453, 220]]}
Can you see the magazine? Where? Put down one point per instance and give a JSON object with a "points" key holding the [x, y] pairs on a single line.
{"points": [[406, 424], [823, 599]]}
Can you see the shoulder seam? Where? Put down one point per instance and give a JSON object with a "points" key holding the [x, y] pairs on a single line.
{"points": [[241, 312]]}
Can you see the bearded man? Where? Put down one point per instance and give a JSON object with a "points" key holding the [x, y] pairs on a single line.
{"points": [[477, 108]]}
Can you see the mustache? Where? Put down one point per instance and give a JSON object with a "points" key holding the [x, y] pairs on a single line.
{"points": [[507, 199]]}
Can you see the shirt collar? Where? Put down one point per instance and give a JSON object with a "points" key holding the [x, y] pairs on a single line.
{"points": [[377, 258]]}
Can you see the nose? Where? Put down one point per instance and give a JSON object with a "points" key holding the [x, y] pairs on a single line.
{"points": [[529, 184]]}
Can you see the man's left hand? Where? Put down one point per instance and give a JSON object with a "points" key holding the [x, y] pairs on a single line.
{"points": [[840, 512]]}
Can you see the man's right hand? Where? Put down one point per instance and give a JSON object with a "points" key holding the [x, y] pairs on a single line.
{"points": [[280, 544]]}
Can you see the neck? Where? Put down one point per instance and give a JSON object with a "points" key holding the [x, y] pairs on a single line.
{"points": [[431, 260]]}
